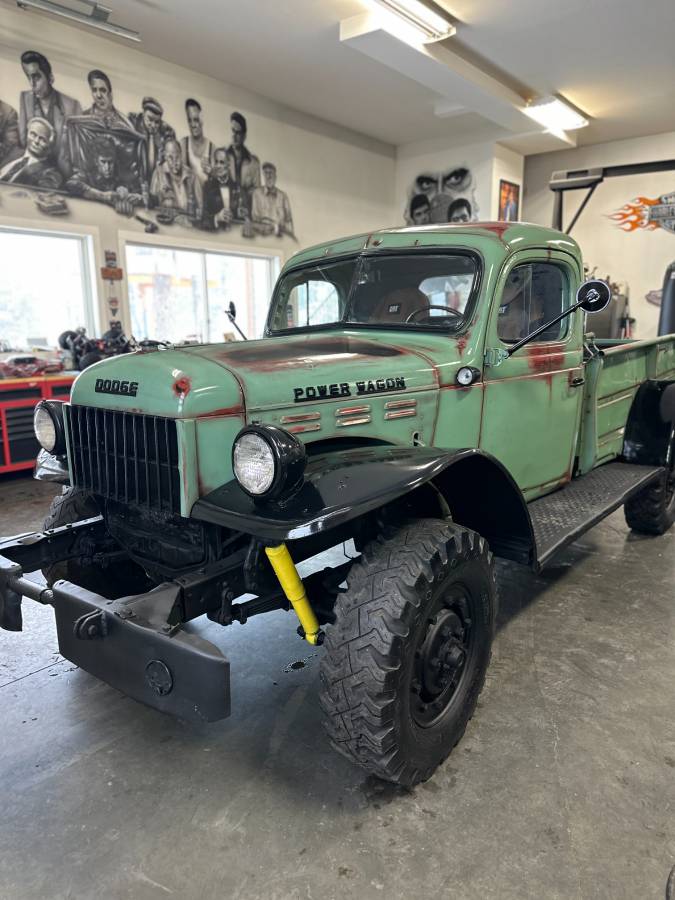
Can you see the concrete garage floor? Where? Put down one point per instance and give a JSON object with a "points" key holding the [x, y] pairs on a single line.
{"points": [[563, 787]]}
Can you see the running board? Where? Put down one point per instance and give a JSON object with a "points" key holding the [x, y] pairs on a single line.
{"points": [[560, 518]]}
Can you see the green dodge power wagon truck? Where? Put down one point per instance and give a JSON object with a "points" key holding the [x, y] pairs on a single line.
{"points": [[430, 393]]}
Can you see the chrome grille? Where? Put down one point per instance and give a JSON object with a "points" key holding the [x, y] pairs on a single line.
{"points": [[125, 456]]}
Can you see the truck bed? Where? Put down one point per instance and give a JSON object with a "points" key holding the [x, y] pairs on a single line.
{"points": [[613, 378]]}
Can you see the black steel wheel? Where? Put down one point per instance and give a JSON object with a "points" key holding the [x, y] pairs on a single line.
{"points": [[652, 511], [406, 659], [442, 655]]}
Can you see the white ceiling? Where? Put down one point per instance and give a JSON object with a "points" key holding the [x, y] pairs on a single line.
{"points": [[613, 58]]}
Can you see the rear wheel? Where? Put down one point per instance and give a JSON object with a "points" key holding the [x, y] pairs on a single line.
{"points": [[73, 505], [652, 511], [406, 658]]}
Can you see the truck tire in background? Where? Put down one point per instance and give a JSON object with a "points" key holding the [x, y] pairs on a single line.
{"points": [[652, 511], [65, 339], [406, 659], [89, 359], [118, 580]]}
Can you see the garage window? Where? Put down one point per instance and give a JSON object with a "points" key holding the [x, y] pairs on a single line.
{"points": [[45, 287], [180, 294]]}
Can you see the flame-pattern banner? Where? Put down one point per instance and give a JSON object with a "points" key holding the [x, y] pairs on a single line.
{"points": [[647, 214]]}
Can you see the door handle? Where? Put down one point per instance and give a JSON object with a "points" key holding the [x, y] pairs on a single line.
{"points": [[577, 382]]}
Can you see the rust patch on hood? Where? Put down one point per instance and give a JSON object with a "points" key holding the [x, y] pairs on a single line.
{"points": [[182, 386], [237, 410], [270, 354]]}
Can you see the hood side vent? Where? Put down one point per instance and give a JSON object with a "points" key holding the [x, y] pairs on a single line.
{"points": [[352, 415], [302, 422], [400, 409]]}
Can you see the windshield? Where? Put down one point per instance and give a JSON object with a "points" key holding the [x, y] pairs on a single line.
{"points": [[412, 290]]}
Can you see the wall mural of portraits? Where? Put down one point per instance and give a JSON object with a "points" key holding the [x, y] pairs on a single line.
{"points": [[137, 163], [440, 197]]}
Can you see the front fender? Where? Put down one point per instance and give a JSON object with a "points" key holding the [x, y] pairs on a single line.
{"points": [[344, 485]]}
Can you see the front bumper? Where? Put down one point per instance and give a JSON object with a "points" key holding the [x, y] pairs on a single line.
{"points": [[135, 644]]}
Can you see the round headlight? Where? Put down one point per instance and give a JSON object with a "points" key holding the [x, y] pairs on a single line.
{"points": [[48, 426], [267, 461], [254, 464]]}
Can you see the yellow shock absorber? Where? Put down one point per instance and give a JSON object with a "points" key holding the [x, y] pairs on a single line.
{"points": [[292, 586]]}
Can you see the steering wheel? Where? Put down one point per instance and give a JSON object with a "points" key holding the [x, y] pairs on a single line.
{"points": [[427, 309]]}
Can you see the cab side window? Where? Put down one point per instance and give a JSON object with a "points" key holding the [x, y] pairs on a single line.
{"points": [[534, 294]]}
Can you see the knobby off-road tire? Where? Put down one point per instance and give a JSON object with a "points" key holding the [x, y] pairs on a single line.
{"points": [[652, 511], [406, 659], [118, 580]]}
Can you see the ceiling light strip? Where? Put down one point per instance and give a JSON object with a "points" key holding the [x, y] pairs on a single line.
{"points": [[431, 25], [97, 18]]}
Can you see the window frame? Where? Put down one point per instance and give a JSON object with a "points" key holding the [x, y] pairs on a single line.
{"points": [[531, 259], [190, 245], [89, 251]]}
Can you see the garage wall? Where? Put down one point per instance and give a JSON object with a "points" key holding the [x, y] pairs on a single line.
{"points": [[639, 256], [487, 161], [337, 182]]}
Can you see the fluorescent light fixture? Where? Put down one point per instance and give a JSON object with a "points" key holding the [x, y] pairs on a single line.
{"points": [[555, 114], [97, 17], [412, 21]]}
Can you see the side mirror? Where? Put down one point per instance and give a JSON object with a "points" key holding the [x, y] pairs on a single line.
{"points": [[593, 296]]}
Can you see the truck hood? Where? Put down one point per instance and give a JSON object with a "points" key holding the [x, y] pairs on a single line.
{"points": [[270, 374], [169, 383], [289, 371]]}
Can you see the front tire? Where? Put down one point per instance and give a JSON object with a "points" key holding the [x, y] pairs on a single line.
{"points": [[70, 506], [406, 658]]}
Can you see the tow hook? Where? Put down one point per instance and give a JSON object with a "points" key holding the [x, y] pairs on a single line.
{"points": [[292, 586], [91, 626]]}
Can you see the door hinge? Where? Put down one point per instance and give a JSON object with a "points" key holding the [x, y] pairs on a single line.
{"points": [[495, 357]]}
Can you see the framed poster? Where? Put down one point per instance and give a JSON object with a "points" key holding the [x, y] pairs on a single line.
{"points": [[509, 201]]}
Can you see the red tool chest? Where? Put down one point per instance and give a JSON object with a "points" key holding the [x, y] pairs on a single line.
{"points": [[18, 397]]}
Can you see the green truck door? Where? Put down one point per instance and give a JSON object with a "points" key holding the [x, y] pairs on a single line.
{"points": [[532, 402]]}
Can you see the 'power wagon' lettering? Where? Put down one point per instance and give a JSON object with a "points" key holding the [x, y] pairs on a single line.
{"points": [[321, 392], [121, 388], [382, 384], [343, 389]]}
